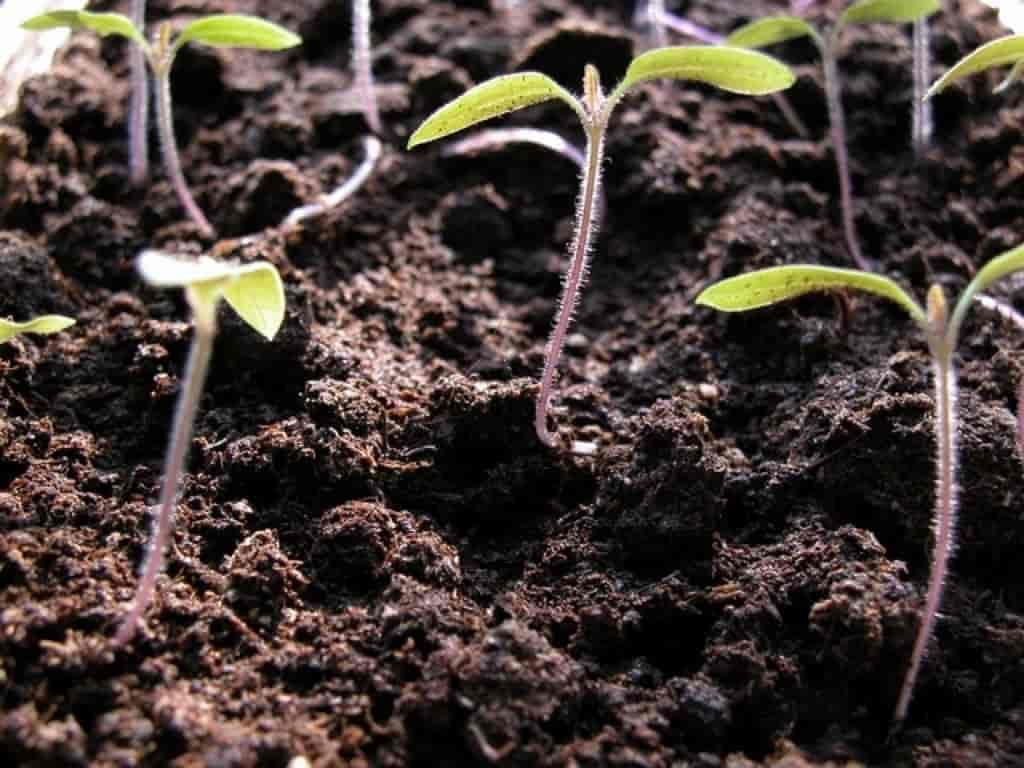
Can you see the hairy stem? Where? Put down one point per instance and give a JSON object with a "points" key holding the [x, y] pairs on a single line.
{"points": [[585, 231], [837, 120], [169, 149], [922, 114], [361, 63], [138, 110], [174, 465], [945, 518]]}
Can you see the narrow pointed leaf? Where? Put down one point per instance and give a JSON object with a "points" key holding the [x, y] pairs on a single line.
{"points": [[495, 97], [765, 287], [257, 295], [737, 70], [42, 324], [100, 23], [867, 11], [998, 53], [232, 30], [770, 30]]}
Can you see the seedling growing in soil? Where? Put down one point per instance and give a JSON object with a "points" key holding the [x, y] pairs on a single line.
{"points": [[44, 324], [998, 53], [777, 29], [941, 329], [255, 293], [218, 31], [138, 110], [731, 69]]}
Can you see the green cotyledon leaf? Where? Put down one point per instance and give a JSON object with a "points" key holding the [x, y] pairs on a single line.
{"points": [[257, 295], [43, 324], [100, 23], [769, 31], [1004, 51], [737, 70], [867, 11], [232, 30], [765, 287], [995, 269], [492, 98]]}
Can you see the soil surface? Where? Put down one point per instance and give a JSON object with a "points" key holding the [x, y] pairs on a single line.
{"points": [[375, 560]]}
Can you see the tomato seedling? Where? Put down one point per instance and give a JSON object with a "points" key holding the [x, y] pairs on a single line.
{"points": [[941, 330], [254, 291], [777, 29], [218, 31], [731, 69], [44, 324]]}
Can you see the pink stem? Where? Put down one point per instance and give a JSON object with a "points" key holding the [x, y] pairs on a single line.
{"points": [[138, 138]]}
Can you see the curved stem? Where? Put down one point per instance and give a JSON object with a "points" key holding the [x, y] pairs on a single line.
{"points": [[174, 465], [945, 515], [585, 231], [837, 121], [138, 137], [169, 149]]}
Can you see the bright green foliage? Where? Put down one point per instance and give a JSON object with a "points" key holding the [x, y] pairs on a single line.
{"points": [[1004, 51], [101, 23], [254, 291], [732, 69], [771, 30], [43, 324], [231, 30], [765, 287], [867, 11], [495, 97]]}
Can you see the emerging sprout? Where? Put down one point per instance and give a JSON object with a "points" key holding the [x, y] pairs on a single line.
{"points": [[998, 53], [941, 329], [44, 324], [255, 293], [731, 69], [777, 29], [219, 31]]}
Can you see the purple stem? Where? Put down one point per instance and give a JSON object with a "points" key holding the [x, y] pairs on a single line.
{"points": [[138, 137], [177, 451], [169, 148]]}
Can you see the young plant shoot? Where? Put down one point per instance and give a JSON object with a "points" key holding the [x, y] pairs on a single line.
{"points": [[941, 329], [731, 69], [44, 324], [218, 31], [255, 293], [777, 29]]}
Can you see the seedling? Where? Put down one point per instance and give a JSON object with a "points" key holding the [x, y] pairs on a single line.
{"points": [[998, 53], [922, 124], [941, 329], [731, 69], [218, 31], [255, 293], [44, 324], [138, 109], [777, 29]]}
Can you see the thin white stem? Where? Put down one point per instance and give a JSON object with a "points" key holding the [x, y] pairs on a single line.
{"points": [[361, 63], [833, 95], [585, 231], [177, 451], [944, 522], [334, 198], [169, 149], [138, 110], [922, 113]]}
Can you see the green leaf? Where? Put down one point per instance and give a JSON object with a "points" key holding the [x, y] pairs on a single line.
{"points": [[1005, 50], [42, 324], [770, 286], [771, 30], [257, 295], [101, 23], [867, 11], [737, 70], [232, 30], [494, 97]]}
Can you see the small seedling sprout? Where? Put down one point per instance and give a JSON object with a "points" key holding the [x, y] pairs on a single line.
{"points": [[941, 329], [777, 29], [731, 69], [218, 31], [255, 293], [43, 324], [138, 109]]}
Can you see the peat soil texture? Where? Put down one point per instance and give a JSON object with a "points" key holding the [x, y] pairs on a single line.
{"points": [[375, 560]]}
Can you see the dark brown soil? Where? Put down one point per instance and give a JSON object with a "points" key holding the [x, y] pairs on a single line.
{"points": [[375, 561]]}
